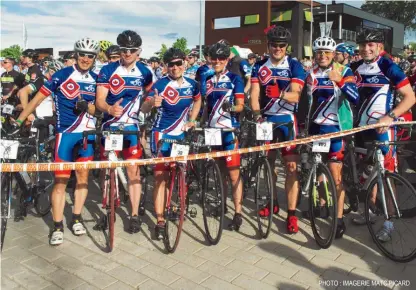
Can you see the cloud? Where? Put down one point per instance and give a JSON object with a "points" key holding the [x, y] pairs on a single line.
{"points": [[172, 35], [59, 24]]}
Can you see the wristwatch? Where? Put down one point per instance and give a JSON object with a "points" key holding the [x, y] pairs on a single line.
{"points": [[391, 115]]}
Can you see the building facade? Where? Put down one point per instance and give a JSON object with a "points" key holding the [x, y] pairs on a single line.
{"points": [[242, 23]]}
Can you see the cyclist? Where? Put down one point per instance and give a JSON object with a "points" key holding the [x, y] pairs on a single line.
{"points": [[327, 83], [155, 65], [120, 88], [33, 79], [375, 76], [178, 102], [73, 90], [113, 53], [192, 65], [101, 58], [277, 84], [203, 73], [343, 53], [69, 58], [224, 100], [252, 58], [11, 81]]}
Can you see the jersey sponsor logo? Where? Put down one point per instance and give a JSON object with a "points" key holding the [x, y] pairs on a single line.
{"points": [[187, 92], [70, 89], [90, 88], [358, 78], [171, 95], [116, 84], [245, 68], [283, 73], [136, 82], [327, 83], [265, 74], [223, 86], [210, 87], [373, 80]]}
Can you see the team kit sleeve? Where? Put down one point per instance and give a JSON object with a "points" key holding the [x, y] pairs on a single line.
{"points": [[298, 73], [196, 95], [255, 73], [397, 76], [245, 68], [51, 87], [238, 90], [103, 77], [149, 80], [348, 86]]}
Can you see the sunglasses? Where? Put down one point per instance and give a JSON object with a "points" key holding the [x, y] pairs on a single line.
{"points": [[177, 63], [114, 56], [323, 53], [218, 58], [131, 50], [277, 45], [6, 61], [90, 56]]}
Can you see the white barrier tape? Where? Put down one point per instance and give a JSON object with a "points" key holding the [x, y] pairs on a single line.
{"points": [[18, 167]]}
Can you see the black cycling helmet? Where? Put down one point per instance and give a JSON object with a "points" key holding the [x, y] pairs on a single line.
{"points": [[129, 39], [278, 34], [206, 50], [47, 58], [173, 53], [219, 50], [69, 55], [113, 50], [154, 59], [404, 65], [33, 54], [370, 35], [224, 41]]}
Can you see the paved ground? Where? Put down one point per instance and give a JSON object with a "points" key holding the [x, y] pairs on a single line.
{"points": [[239, 261]]}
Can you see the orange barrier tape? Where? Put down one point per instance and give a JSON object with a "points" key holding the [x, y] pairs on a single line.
{"points": [[18, 167]]}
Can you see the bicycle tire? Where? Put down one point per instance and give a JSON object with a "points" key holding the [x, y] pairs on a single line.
{"points": [[5, 186], [324, 243], [111, 212], [42, 200], [175, 212], [267, 200], [379, 244], [218, 199]]}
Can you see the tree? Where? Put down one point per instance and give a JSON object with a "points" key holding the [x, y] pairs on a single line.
{"points": [[180, 43], [14, 51], [400, 11]]}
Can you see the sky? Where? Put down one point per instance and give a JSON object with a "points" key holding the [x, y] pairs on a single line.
{"points": [[59, 24]]}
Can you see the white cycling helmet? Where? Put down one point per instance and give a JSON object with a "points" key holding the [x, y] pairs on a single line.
{"points": [[324, 43], [87, 45]]}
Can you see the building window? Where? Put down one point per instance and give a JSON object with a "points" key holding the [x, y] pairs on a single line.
{"points": [[229, 22], [251, 19], [281, 16], [349, 35]]}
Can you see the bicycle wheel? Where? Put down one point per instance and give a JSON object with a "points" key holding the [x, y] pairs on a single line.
{"points": [[323, 206], [213, 202], [145, 189], [175, 209], [401, 243], [264, 196], [111, 211], [6, 184], [42, 193]]}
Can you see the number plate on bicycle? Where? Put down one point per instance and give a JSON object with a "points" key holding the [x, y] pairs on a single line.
{"points": [[179, 150], [113, 142], [264, 131], [321, 146], [8, 109], [213, 137], [8, 149]]}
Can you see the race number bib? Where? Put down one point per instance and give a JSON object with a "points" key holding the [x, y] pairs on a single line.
{"points": [[8, 149], [321, 146], [179, 150], [8, 109], [213, 137], [113, 142], [264, 131]]}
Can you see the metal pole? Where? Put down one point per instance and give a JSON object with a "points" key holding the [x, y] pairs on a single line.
{"points": [[326, 19], [310, 40], [201, 25]]}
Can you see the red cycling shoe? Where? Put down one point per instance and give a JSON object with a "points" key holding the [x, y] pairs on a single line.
{"points": [[292, 224], [265, 211]]}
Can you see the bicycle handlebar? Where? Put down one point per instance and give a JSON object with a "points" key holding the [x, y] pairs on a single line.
{"points": [[103, 132]]}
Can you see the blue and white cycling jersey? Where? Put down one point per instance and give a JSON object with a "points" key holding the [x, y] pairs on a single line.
{"points": [[325, 93], [177, 102], [191, 71], [375, 82], [226, 87], [128, 85], [265, 73], [67, 86], [202, 74]]}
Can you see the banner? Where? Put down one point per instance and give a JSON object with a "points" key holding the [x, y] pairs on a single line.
{"points": [[327, 31]]}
